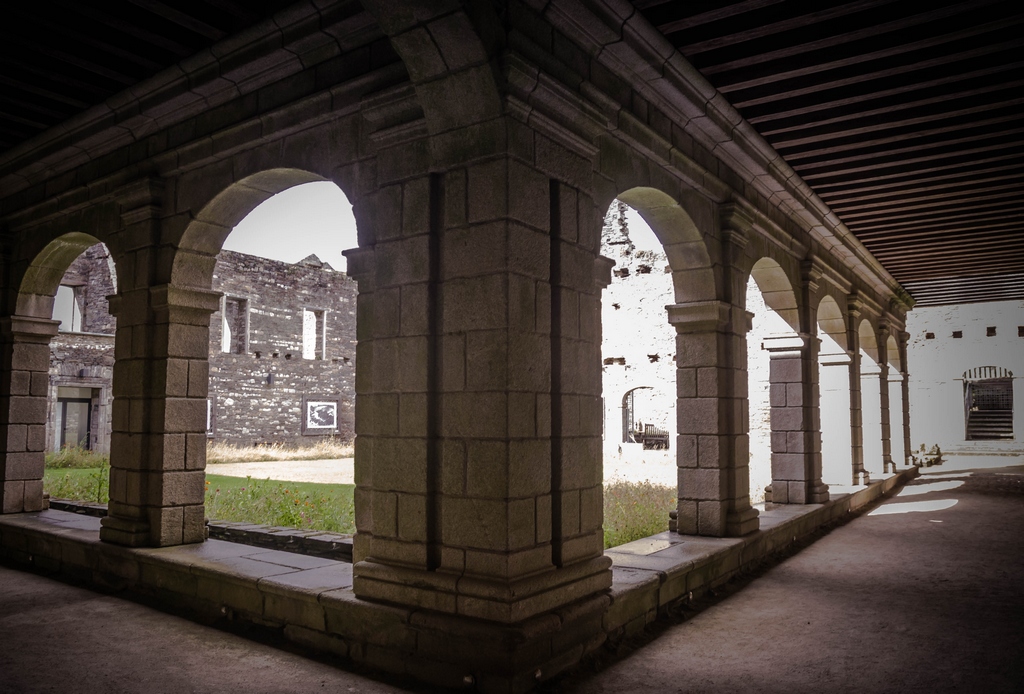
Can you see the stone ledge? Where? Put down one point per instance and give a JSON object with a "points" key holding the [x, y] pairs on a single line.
{"points": [[314, 543], [310, 601]]}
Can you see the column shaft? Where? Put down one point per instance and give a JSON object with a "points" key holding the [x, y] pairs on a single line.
{"points": [[712, 445], [25, 354]]}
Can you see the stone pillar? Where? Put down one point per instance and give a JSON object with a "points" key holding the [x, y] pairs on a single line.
{"points": [[904, 338], [712, 424], [25, 354], [882, 337], [158, 442], [478, 430], [795, 420], [856, 416]]}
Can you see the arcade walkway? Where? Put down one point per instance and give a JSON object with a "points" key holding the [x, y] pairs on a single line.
{"points": [[923, 594]]}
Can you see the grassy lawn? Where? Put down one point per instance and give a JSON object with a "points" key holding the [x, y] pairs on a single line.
{"points": [[632, 510], [302, 505]]}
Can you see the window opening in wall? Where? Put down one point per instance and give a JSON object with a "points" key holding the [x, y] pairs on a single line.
{"points": [[990, 331], [314, 334], [929, 336], [957, 334], [67, 308], [988, 404], [234, 336], [1020, 331], [73, 417]]}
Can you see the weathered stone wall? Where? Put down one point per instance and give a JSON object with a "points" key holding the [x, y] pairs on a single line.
{"points": [[256, 396], [639, 349], [249, 407], [93, 274]]}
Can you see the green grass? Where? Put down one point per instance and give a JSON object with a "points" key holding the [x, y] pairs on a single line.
{"points": [[308, 506], [632, 510]]}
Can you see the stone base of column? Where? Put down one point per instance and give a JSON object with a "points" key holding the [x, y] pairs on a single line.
{"points": [[124, 531], [798, 492], [741, 522], [21, 496], [505, 602], [888, 465]]}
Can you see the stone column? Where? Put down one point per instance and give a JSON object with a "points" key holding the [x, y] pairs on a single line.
{"points": [[882, 337], [478, 447], [795, 420], [25, 355], [158, 442], [712, 444], [856, 416], [904, 338]]}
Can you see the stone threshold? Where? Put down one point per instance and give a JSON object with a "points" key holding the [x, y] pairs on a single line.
{"points": [[309, 600], [313, 543]]}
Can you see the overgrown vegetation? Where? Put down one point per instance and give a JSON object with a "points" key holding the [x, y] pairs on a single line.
{"points": [[634, 510], [324, 449], [70, 458]]}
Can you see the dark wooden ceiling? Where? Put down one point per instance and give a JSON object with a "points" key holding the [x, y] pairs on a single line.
{"points": [[907, 118], [59, 57]]}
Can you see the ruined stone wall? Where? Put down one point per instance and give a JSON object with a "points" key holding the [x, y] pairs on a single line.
{"points": [[639, 349], [92, 273], [257, 396], [638, 346]]}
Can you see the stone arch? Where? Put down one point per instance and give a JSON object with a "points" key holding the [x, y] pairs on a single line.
{"points": [[868, 339], [777, 289], [692, 276], [204, 236], [42, 277], [892, 354], [449, 57], [831, 320]]}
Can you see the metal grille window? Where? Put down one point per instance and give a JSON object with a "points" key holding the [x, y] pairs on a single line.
{"points": [[988, 404]]}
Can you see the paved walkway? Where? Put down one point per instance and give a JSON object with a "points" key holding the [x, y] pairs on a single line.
{"points": [[923, 594]]}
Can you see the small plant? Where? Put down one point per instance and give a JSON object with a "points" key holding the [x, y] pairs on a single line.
{"points": [[926, 457]]}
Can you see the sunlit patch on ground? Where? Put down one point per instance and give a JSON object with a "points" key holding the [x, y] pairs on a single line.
{"points": [[914, 507], [928, 487]]}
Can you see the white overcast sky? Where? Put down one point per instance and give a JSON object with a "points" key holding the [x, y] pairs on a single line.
{"points": [[317, 218], [311, 218]]}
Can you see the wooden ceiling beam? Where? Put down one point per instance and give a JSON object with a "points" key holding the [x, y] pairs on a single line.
{"points": [[763, 74]]}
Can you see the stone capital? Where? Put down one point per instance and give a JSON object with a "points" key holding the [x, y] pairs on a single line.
{"points": [[709, 316], [29, 328], [360, 263], [183, 305], [603, 271], [790, 345]]}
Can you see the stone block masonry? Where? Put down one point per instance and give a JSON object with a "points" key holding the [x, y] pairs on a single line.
{"points": [[284, 337], [257, 393]]}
